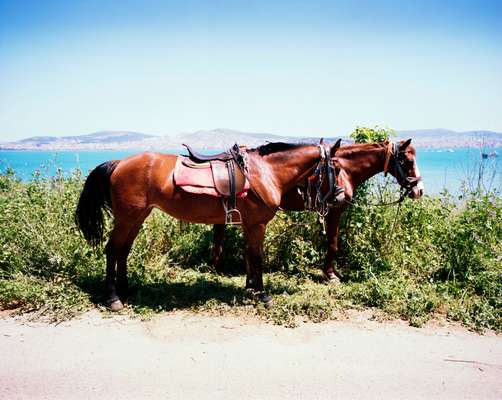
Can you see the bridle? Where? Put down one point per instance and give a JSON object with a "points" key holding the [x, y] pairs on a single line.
{"points": [[320, 202], [407, 183], [392, 153]]}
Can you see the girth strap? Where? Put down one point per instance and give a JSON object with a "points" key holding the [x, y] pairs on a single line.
{"points": [[230, 202]]}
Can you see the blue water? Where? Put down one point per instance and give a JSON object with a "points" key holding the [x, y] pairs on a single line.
{"points": [[440, 168], [26, 163]]}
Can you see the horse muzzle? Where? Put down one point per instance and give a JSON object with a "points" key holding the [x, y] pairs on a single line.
{"points": [[415, 193], [340, 197], [417, 190]]}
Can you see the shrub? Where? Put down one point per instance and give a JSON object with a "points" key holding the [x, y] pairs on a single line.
{"points": [[441, 255]]}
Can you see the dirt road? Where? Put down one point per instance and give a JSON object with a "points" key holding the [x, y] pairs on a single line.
{"points": [[183, 356]]}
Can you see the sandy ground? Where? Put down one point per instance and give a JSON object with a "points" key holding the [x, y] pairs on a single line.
{"points": [[186, 356]]}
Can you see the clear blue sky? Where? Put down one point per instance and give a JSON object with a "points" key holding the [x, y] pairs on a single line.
{"points": [[291, 67]]}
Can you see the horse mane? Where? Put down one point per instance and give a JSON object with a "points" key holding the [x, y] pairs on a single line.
{"points": [[356, 148], [349, 149], [275, 147]]}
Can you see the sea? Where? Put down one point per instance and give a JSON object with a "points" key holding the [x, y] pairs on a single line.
{"points": [[442, 169]]}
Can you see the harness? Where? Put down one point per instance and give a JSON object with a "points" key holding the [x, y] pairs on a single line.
{"points": [[322, 202], [233, 162], [407, 182]]}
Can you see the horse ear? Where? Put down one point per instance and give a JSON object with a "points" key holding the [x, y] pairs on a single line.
{"points": [[405, 144], [335, 147]]}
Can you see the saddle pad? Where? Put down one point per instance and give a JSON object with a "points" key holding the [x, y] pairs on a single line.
{"points": [[197, 178], [186, 175]]}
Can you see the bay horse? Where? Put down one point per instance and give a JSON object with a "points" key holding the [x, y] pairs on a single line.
{"points": [[132, 187], [357, 163]]}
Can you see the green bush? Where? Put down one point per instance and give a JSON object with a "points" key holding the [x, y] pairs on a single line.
{"points": [[441, 255], [371, 135]]}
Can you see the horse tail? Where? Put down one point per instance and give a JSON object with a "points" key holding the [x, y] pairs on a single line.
{"points": [[94, 199]]}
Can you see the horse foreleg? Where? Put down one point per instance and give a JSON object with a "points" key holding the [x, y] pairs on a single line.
{"points": [[254, 261], [218, 236], [333, 231]]}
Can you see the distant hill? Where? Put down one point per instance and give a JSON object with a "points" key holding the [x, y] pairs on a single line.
{"points": [[222, 138], [96, 137], [219, 138], [445, 138]]}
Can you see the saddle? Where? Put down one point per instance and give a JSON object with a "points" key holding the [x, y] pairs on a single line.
{"points": [[221, 175], [200, 158]]}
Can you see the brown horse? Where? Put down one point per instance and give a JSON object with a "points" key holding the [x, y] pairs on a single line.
{"points": [[132, 187], [357, 163]]}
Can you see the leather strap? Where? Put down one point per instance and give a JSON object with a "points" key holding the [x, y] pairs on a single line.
{"points": [[231, 179], [389, 151]]}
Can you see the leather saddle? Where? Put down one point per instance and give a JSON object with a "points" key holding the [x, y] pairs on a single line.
{"points": [[228, 175], [200, 158]]}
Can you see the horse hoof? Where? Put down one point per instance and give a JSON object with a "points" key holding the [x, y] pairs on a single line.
{"points": [[260, 296], [266, 300], [332, 279], [115, 305]]}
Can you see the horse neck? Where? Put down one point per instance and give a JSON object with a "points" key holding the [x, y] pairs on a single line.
{"points": [[362, 161], [291, 166]]}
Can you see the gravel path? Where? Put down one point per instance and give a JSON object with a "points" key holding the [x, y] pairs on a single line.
{"points": [[186, 356]]}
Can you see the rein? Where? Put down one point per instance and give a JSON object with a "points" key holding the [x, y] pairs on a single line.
{"points": [[402, 196]]}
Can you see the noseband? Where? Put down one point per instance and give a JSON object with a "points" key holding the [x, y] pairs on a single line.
{"points": [[392, 152]]}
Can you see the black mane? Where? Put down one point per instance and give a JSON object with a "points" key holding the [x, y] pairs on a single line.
{"points": [[275, 147]]}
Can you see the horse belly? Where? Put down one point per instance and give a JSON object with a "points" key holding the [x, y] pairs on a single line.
{"points": [[191, 207]]}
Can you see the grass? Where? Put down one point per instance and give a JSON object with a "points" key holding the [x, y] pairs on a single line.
{"points": [[438, 256]]}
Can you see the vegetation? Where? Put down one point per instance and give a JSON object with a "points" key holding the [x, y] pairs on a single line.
{"points": [[372, 135], [437, 256]]}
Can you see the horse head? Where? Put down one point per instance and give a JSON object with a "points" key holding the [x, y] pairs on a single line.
{"points": [[335, 193], [401, 162], [339, 183]]}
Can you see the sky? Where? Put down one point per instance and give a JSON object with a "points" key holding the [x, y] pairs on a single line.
{"points": [[287, 67]]}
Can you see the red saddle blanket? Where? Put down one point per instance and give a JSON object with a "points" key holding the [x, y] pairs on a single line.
{"points": [[198, 178]]}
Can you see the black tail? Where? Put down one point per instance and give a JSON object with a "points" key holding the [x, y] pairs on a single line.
{"points": [[95, 198]]}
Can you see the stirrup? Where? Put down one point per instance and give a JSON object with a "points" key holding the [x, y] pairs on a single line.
{"points": [[228, 217]]}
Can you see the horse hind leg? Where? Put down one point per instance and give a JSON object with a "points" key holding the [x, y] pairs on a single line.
{"points": [[112, 299], [122, 281], [117, 250], [218, 236]]}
